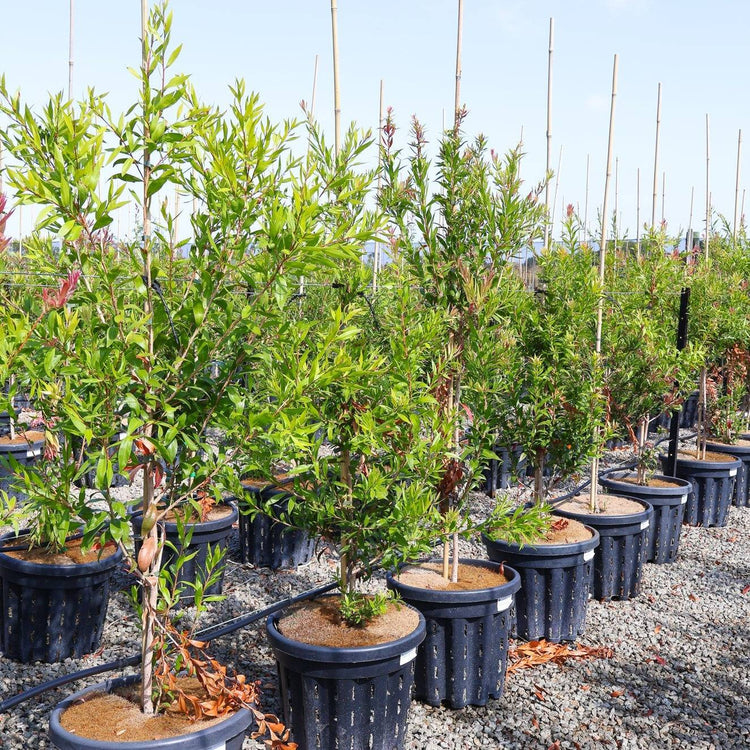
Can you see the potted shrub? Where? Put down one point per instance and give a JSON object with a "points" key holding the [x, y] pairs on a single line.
{"points": [[646, 374], [455, 238], [346, 662], [718, 322], [621, 522], [552, 410], [146, 327]]}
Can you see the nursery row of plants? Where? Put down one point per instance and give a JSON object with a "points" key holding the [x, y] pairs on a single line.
{"points": [[261, 372]]}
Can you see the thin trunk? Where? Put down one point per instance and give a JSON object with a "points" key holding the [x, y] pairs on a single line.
{"points": [[539, 476], [594, 493], [376, 254], [151, 580], [702, 436], [642, 436]]}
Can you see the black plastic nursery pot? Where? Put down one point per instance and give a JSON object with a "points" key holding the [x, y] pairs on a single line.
{"points": [[463, 658], [266, 542], [52, 612], [25, 453], [668, 502], [555, 586], [498, 472], [229, 734], [741, 494], [712, 485], [355, 698], [207, 536], [621, 554]]}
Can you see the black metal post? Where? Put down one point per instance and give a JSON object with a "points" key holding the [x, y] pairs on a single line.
{"points": [[674, 425]]}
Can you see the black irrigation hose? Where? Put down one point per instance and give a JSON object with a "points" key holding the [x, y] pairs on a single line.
{"points": [[622, 467], [208, 634]]}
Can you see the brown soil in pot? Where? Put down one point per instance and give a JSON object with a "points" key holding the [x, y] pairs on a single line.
{"points": [[71, 556], [117, 717], [740, 442], [429, 575], [21, 438], [653, 482], [318, 623], [257, 483], [715, 457], [610, 505], [214, 514], [565, 531]]}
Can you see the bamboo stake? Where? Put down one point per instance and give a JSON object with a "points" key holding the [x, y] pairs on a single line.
{"points": [[708, 183], [638, 213], [586, 202], [593, 494], [376, 255], [314, 87], [554, 196], [549, 130], [656, 155], [70, 54], [336, 88], [742, 206], [301, 288], [737, 185], [459, 35], [455, 392]]}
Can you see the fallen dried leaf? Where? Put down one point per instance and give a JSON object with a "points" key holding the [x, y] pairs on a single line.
{"points": [[693, 598], [534, 653], [746, 589], [535, 723], [585, 687], [658, 659], [657, 629], [555, 745], [617, 693], [539, 694]]}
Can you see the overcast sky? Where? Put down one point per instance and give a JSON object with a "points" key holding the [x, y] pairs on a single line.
{"points": [[698, 50]]}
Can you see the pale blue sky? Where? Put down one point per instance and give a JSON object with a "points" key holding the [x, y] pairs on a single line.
{"points": [[698, 50]]}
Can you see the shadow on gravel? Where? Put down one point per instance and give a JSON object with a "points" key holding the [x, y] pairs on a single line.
{"points": [[685, 702]]}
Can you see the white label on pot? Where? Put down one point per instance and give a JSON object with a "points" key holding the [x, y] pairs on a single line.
{"points": [[408, 656], [732, 472], [644, 525], [684, 500], [32, 454], [588, 555], [503, 604]]}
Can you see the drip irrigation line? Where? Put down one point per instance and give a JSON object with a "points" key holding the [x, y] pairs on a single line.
{"points": [[207, 634]]}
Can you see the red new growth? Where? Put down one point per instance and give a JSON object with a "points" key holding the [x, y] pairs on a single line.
{"points": [[56, 300]]}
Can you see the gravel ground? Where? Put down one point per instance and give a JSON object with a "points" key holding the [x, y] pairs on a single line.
{"points": [[679, 676]]}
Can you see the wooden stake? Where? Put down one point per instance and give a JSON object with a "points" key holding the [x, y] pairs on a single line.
{"points": [[376, 255], [336, 89], [459, 35], [708, 185], [549, 130], [737, 185], [593, 494], [656, 155], [70, 53]]}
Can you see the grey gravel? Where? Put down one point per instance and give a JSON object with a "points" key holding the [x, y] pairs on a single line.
{"points": [[679, 676]]}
